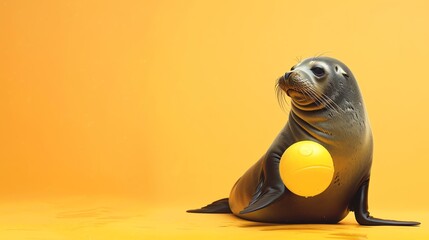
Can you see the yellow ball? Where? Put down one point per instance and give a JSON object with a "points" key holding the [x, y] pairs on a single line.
{"points": [[306, 168]]}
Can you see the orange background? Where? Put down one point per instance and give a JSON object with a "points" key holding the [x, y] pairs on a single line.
{"points": [[171, 101]]}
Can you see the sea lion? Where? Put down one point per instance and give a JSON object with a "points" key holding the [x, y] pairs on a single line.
{"points": [[326, 107]]}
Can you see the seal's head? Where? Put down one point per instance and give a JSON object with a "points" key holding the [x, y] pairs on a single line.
{"points": [[315, 83]]}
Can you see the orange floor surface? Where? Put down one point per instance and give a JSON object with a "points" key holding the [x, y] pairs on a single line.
{"points": [[93, 219]]}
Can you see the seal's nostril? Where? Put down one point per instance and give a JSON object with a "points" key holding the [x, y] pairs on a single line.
{"points": [[287, 75]]}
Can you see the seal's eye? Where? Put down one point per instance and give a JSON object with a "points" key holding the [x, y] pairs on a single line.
{"points": [[318, 71]]}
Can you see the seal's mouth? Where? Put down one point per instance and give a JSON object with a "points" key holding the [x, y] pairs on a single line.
{"points": [[292, 90], [297, 95]]}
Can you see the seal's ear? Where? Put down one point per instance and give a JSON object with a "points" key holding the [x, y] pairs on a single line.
{"points": [[338, 69]]}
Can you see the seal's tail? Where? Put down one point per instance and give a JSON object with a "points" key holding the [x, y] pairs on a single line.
{"points": [[219, 206]]}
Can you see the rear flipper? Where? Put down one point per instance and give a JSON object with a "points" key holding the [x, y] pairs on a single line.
{"points": [[219, 206], [362, 215]]}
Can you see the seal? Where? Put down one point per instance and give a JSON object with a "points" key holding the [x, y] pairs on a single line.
{"points": [[327, 108]]}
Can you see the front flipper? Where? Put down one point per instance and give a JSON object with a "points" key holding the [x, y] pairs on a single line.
{"points": [[362, 215], [270, 186]]}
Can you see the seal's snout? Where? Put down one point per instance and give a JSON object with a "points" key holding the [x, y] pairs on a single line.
{"points": [[293, 79], [284, 80]]}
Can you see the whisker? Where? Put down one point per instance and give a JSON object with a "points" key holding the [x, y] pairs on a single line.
{"points": [[316, 98], [324, 100], [311, 94], [281, 99], [327, 100], [332, 102], [321, 54]]}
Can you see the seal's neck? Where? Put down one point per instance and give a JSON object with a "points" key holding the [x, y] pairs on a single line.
{"points": [[316, 119]]}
